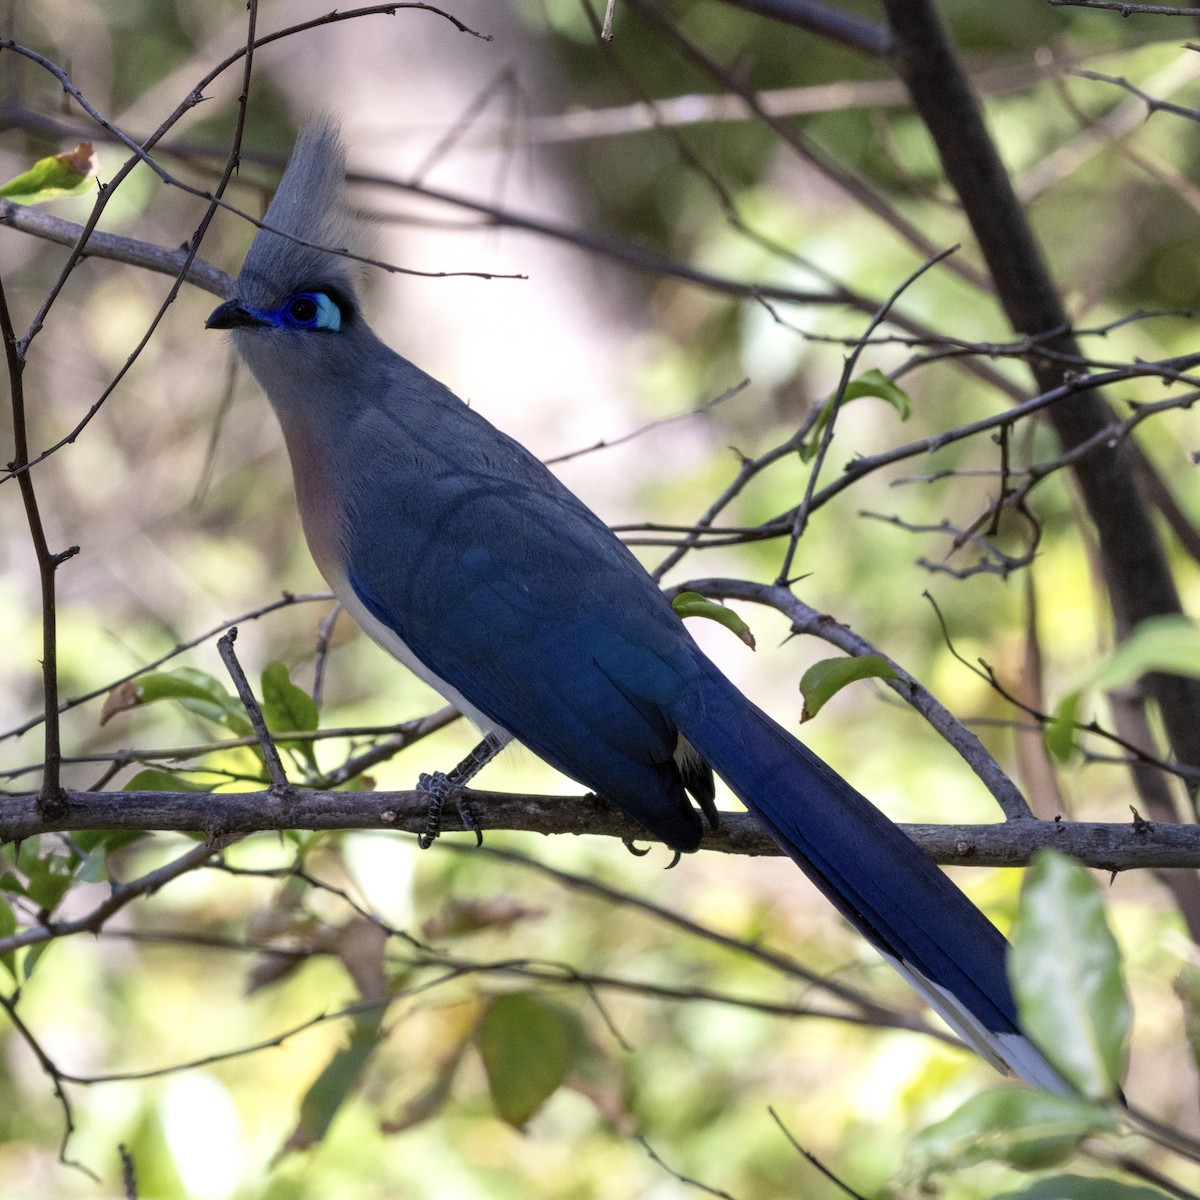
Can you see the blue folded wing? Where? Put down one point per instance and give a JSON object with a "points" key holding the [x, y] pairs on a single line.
{"points": [[551, 629]]}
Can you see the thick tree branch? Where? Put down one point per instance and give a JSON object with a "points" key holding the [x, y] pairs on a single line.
{"points": [[118, 249], [1111, 847], [1136, 572]]}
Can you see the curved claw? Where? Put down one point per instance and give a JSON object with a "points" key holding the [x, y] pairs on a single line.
{"points": [[468, 818], [633, 849]]}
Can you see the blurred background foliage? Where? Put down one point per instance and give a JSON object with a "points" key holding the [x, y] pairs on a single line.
{"points": [[178, 494]]}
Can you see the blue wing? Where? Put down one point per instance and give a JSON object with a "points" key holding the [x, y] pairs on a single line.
{"points": [[524, 602]]}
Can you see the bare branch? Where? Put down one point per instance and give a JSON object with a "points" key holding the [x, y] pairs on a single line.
{"points": [[116, 248], [275, 771], [808, 620], [47, 561], [1128, 10], [1111, 847]]}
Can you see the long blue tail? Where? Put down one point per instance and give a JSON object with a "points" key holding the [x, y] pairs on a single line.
{"points": [[873, 873]]}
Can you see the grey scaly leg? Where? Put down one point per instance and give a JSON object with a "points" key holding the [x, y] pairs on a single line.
{"points": [[440, 787]]}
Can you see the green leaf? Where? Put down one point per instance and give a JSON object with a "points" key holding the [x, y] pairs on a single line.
{"points": [[98, 844], [1066, 975], [870, 383], [196, 690], [8, 926], [1167, 644], [334, 1085], [692, 604], [110, 839], [28, 852], [876, 383], [49, 879], [526, 1046], [1027, 1129], [288, 709], [1058, 734], [1082, 1187], [1187, 988], [823, 680], [50, 178], [154, 780], [32, 957]]}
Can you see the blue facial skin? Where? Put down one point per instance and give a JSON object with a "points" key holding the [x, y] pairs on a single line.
{"points": [[305, 310]]}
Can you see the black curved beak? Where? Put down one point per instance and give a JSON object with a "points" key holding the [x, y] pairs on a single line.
{"points": [[233, 315]]}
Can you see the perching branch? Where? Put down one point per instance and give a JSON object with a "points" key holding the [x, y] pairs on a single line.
{"points": [[1108, 846]]}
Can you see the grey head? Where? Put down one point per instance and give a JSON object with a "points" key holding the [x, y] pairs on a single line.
{"points": [[289, 287]]}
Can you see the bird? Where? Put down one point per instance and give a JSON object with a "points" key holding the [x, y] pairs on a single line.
{"points": [[461, 554]]}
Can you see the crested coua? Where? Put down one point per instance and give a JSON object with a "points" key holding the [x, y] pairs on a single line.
{"points": [[463, 556]]}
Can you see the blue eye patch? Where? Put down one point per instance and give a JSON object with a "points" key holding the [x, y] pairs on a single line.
{"points": [[304, 310]]}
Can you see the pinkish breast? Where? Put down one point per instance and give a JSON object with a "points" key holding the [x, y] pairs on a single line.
{"points": [[321, 511]]}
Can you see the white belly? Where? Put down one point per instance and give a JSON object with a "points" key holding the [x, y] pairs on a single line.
{"points": [[398, 648]]}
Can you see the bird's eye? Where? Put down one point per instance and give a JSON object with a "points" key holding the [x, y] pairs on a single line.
{"points": [[308, 310], [303, 310]]}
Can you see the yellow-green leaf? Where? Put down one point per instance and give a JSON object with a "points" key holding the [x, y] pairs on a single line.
{"points": [[826, 678], [334, 1085], [526, 1047], [1067, 978], [1024, 1128], [196, 690], [869, 383], [1082, 1187], [692, 604], [1187, 988], [876, 383], [1058, 734], [288, 709], [1168, 644], [154, 780], [8, 926], [51, 178]]}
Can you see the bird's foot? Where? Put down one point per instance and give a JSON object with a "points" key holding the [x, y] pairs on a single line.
{"points": [[438, 788]]}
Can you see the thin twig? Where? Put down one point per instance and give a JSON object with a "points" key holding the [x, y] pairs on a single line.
{"points": [[806, 619], [179, 648], [800, 516], [836, 1180], [274, 764], [47, 561], [57, 1079], [1128, 10]]}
